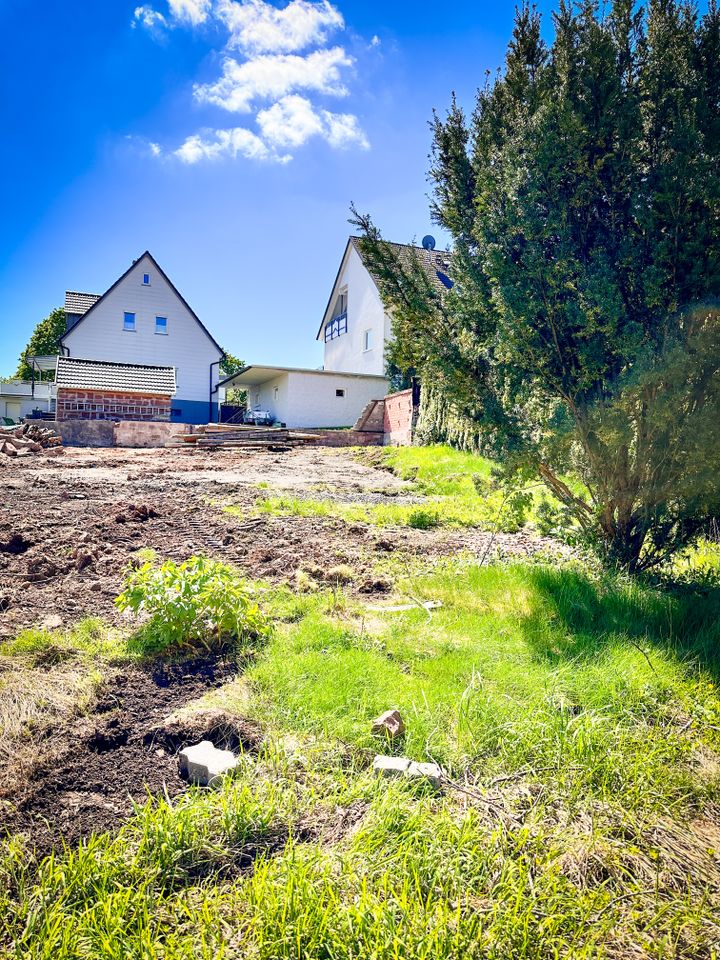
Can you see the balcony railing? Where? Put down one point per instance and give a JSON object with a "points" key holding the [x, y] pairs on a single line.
{"points": [[24, 388], [336, 327]]}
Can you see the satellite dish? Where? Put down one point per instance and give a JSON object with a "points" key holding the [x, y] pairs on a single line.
{"points": [[428, 242]]}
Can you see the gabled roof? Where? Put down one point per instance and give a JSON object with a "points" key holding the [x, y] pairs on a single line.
{"points": [[435, 262], [169, 283], [78, 374], [79, 303]]}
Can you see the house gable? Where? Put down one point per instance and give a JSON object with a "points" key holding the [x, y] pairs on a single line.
{"points": [[143, 319], [144, 260]]}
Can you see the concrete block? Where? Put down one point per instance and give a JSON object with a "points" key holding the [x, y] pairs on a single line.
{"points": [[390, 766], [204, 764], [428, 771]]}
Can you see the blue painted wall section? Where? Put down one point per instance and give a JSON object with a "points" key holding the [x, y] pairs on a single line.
{"points": [[192, 411]]}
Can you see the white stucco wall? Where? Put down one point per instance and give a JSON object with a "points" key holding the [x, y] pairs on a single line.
{"points": [[308, 399], [100, 336], [16, 398], [365, 311]]}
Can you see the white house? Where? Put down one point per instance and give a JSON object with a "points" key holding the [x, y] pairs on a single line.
{"points": [[309, 398], [143, 320], [20, 398], [356, 328]]}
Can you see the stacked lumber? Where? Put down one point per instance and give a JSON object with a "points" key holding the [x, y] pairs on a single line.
{"points": [[218, 435], [28, 438]]}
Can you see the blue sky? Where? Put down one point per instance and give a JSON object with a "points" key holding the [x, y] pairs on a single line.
{"points": [[228, 137]]}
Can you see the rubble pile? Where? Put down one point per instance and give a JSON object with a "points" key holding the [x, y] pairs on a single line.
{"points": [[29, 438]]}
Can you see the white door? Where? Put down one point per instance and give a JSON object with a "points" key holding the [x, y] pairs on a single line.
{"points": [[12, 409]]}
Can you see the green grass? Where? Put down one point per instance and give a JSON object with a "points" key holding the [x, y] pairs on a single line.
{"points": [[578, 718], [443, 477], [89, 638], [436, 469], [521, 667]]}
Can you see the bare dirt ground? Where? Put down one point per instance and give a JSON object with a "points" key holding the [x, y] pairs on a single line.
{"points": [[69, 525], [68, 528]]}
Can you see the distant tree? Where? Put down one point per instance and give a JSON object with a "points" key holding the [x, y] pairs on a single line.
{"points": [[583, 201], [231, 364], [45, 341]]}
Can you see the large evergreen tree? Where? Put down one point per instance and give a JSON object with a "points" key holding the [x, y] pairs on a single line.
{"points": [[582, 332]]}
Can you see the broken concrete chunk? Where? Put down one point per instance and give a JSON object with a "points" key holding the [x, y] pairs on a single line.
{"points": [[390, 766], [428, 771], [389, 724], [205, 765], [403, 767]]}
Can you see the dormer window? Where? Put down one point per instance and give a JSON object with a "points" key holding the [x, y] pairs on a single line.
{"points": [[146, 279]]}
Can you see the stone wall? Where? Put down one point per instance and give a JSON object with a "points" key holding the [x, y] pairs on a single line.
{"points": [[120, 433], [400, 417], [347, 438], [73, 404]]}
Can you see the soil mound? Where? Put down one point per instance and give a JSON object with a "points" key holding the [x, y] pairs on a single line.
{"points": [[90, 772]]}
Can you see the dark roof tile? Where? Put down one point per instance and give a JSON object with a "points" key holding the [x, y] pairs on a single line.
{"points": [[75, 373]]}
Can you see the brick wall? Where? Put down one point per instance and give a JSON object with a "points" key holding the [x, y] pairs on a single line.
{"points": [[400, 415], [75, 404]]}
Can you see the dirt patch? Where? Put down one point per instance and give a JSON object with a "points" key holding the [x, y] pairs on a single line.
{"points": [[90, 772], [225, 730], [16, 543], [80, 521]]}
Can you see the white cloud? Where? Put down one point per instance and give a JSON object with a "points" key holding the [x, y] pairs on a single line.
{"points": [[375, 41], [289, 122], [280, 66], [193, 12], [343, 130], [271, 77], [293, 120], [230, 143], [148, 18], [259, 27]]}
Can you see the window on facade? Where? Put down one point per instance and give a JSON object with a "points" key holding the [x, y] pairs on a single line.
{"points": [[368, 340], [146, 279], [339, 393], [160, 324], [129, 321], [275, 393]]}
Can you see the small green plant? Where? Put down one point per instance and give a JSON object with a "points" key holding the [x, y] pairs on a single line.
{"points": [[423, 519], [199, 602]]}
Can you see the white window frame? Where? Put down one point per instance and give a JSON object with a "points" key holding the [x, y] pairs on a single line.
{"points": [[133, 327], [161, 333], [367, 340]]}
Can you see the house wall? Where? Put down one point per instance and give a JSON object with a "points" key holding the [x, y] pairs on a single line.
{"points": [[186, 346], [75, 404], [314, 403], [307, 399], [365, 311], [262, 397], [16, 400]]}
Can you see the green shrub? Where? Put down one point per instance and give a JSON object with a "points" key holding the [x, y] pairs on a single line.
{"points": [[423, 519], [199, 602]]}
